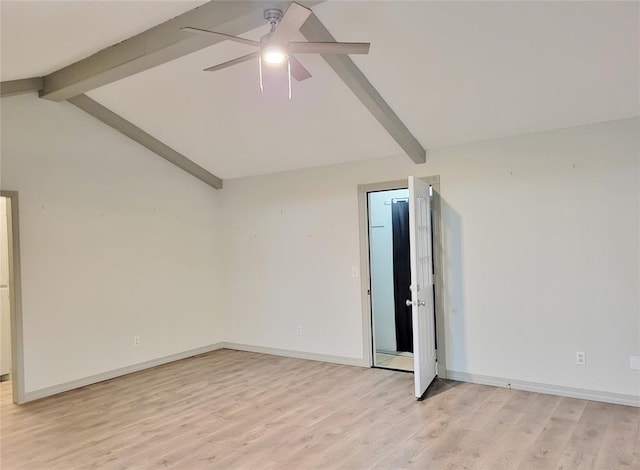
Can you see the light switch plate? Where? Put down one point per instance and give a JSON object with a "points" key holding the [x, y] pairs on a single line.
{"points": [[634, 362]]}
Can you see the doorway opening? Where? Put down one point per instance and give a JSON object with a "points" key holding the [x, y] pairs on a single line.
{"points": [[390, 277], [5, 298], [11, 361], [388, 302]]}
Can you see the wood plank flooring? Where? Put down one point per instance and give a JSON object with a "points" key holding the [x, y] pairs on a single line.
{"points": [[239, 410]]}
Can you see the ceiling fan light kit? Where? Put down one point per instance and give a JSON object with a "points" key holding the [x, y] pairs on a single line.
{"points": [[274, 55], [276, 48]]}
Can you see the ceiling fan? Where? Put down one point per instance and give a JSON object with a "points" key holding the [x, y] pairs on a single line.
{"points": [[276, 46]]}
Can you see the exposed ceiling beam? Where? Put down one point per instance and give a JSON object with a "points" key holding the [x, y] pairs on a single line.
{"points": [[18, 87], [159, 45], [123, 126], [167, 42], [351, 75]]}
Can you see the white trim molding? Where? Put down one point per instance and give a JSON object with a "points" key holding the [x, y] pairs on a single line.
{"points": [[15, 296], [64, 387], [561, 390], [347, 361]]}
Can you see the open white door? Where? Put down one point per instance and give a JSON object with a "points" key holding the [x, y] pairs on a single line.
{"points": [[424, 352]]}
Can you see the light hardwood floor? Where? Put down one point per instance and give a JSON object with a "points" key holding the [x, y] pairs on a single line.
{"points": [[231, 409]]}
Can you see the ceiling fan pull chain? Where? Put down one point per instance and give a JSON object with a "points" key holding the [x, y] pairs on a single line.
{"points": [[260, 67], [289, 74]]}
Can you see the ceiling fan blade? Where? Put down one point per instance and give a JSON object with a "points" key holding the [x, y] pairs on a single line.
{"points": [[298, 71], [222, 36], [293, 19], [239, 60], [329, 47]]}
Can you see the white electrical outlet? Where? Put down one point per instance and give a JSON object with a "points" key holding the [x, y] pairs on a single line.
{"points": [[136, 340], [634, 362], [355, 273], [581, 358], [299, 329]]}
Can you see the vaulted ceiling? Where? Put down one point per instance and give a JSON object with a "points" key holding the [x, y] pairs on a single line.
{"points": [[453, 72]]}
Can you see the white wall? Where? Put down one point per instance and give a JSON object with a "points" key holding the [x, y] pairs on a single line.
{"points": [[541, 252], [289, 262], [541, 238], [381, 249], [115, 242]]}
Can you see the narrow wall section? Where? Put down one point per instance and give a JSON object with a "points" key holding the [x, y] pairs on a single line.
{"points": [[116, 243]]}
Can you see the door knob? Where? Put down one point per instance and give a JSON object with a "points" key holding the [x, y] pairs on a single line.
{"points": [[421, 303]]}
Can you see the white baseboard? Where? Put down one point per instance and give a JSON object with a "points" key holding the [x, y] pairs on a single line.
{"points": [[348, 361], [561, 390], [64, 387], [607, 397]]}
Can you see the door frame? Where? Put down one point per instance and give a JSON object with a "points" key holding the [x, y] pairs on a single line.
{"points": [[15, 297], [365, 268]]}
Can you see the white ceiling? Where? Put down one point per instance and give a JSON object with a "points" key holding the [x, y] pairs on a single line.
{"points": [[40, 37], [455, 72], [221, 121]]}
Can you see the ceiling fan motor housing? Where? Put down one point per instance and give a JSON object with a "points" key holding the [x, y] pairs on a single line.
{"points": [[273, 15]]}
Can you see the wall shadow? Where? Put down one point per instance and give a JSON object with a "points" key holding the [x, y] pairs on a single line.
{"points": [[453, 287]]}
